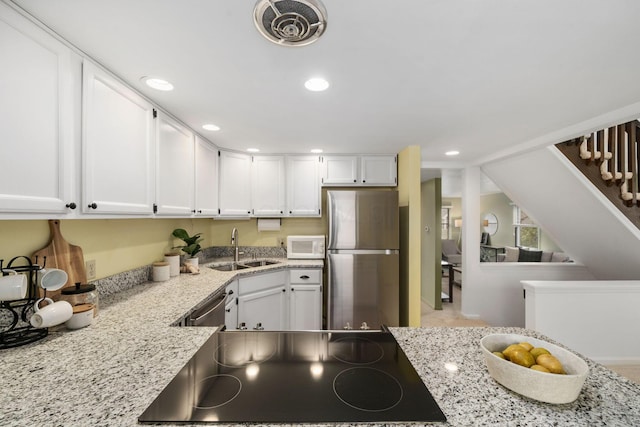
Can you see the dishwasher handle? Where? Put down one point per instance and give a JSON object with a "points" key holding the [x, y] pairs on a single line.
{"points": [[218, 303]]}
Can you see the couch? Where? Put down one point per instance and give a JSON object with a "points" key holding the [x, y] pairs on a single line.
{"points": [[514, 254]]}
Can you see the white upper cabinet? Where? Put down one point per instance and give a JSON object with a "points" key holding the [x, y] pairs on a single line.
{"points": [[118, 146], [36, 114], [175, 167], [235, 184], [364, 170], [303, 186], [206, 178], [340, 170], [379, 170], [268, 185]]}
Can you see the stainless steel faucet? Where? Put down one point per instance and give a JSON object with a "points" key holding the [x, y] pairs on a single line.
{"points": [[234, 242]]}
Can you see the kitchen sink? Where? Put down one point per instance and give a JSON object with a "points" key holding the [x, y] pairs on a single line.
{"points": [[230, 267], [259, 263], [243, 265]]}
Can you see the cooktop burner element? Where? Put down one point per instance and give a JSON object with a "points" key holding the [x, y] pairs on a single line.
{"points": [[349, 384], [217, 390], [296, 377]]}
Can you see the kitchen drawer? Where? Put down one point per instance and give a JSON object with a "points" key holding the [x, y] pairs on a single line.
{"points": [[313, 276], [262, 281]]}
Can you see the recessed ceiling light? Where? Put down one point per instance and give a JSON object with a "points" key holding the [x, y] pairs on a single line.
{"points": [[211, 126], [253, 150], [157, 83], [452, 153], [316, 84], [316, 150]]}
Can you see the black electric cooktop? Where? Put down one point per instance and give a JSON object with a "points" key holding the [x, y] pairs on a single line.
{"points": [[296, 377]]}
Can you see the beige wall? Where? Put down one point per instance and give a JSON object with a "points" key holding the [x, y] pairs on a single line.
{"points": [[409, 197], [431, 288]]}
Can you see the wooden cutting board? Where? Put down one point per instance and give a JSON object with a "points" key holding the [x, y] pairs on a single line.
{"points": [[63, 255]]}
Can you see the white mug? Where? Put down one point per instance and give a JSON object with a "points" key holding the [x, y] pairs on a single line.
{"points": [[52, 314], [13, 286], [52, 279]]}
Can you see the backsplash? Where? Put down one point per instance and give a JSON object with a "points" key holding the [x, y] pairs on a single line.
{"points": [[128, 279]]}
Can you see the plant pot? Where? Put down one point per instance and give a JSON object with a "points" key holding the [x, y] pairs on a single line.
{"points": [[193, 261]]}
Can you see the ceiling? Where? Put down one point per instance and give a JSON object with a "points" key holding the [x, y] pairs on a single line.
{"points": [[477, 76]]}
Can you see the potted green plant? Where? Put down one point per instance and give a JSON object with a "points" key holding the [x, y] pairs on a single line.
{"points": [[191, 244]]}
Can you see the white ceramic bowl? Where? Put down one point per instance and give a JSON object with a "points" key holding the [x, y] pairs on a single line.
{"points": [[82, 316], [541, 386]]}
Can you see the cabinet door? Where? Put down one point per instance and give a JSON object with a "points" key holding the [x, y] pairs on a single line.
{"points": [[235, 184], [379, 170], [117, 143], [265, 309], [340, 170], [36, 130], [267, 185], [305, 307], [206, 178], [303, 186], [175, 167]]}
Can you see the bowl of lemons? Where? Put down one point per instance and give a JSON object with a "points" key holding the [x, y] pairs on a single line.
{"points": [[534, 368]]}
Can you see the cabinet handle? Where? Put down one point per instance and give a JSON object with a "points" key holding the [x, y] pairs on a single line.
{"points": [[258, 327], [355, 180], [292, 289], [364, 180], [193, 211], [242, 326], [199, 210], [305, 277], [230, 292], [93, 205], [71, 205], [284, 290], [290, 212], [228, 310]]}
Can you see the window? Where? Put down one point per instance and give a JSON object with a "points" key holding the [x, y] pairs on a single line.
{"points": [[527, 233], [446, 217]]}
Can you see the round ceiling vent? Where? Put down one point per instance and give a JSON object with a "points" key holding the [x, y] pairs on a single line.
{"points": [[290, 22]]}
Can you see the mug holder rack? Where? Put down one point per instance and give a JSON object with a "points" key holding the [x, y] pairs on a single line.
{"points": [[17, 334]]}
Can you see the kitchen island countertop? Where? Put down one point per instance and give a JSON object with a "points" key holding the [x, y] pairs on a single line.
{"points": [[108, 373]]}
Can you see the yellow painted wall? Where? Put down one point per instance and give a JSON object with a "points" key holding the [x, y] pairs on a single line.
{"points": [[409, 197]]}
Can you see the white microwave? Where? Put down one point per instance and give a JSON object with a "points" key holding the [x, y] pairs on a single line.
{"points": [[305, 247]]}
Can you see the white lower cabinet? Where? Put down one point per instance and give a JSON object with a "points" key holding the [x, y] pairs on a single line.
{"points": [[277, 301], [262, 302]]}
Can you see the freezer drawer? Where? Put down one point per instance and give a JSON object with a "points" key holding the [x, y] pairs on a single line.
{"points": [[363, 288]]}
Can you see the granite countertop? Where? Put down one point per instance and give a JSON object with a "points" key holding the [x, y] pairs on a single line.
{"points": [[108, 373]]}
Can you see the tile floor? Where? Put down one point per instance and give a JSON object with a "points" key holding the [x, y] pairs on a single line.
{"points": [[450, 315]]}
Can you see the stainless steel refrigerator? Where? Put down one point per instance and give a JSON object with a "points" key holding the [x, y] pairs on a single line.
{"points": [[362, 259]]}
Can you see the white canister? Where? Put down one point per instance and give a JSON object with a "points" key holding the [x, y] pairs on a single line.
{"points": [[161, 271], [174, 264]]}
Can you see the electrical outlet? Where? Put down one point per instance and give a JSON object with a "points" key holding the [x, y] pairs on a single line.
{"points": [[90, 267], [281, 242]]}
